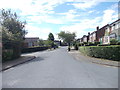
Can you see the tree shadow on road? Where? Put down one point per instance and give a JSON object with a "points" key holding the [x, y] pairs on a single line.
{"points": [[37, 59]]}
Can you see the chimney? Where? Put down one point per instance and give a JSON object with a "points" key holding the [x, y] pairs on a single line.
{"points": [[97, 28], [88, 33]]}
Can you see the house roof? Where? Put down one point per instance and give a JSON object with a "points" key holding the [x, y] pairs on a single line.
{"points": [[115, 21], [93, 32], [31, 39]]}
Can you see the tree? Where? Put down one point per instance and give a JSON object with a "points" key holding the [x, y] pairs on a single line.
{"points": [[67, 37], [11, 24], [41, 42], [51, 37], [13, 31]]}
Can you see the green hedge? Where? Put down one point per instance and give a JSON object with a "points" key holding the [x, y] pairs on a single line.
{"points": [[7, 54], [34, 49], [106, 52], [11, 50]]}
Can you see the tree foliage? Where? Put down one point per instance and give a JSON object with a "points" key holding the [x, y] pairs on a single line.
{"points": [[66, 36], [12, 28], [41, 42], [50, 40], [51, 37], [13, 32]]}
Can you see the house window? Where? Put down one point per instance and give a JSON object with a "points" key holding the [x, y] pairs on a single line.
{"points": [[106, 39], [116, 26], [113, 36], [112, 28]]}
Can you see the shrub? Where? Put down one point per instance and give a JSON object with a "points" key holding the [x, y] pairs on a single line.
{"points": [[55, 46], [106, 52], [113, 42], [81, 44], [7, 54], [35, 49], [76, 46], [96, 43], [85, 43], [11, 50], [118, 43], [90, 43]]}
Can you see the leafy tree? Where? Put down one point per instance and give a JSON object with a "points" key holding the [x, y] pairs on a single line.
{"points": [[41, 42], [51, 37], [67, 37], [13, 31], [11, 24]]}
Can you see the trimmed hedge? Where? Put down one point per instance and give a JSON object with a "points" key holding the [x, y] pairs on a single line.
{"points": [[105, 52], [34, 49], [7, 55]]}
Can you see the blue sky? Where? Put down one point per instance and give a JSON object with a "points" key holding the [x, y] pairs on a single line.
{"points": [[80, 16]]}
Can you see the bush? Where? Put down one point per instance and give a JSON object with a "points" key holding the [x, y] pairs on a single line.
{"points": [[76, 46], [106, 52], [81, 44], [85, 43], [113, 42], [90, 43], [35, 49], [118, 43], [11, 50], [96, 43], [55, 46], [7, 55]]}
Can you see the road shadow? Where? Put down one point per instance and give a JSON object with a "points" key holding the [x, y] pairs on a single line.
{"points": [[37, 59]]}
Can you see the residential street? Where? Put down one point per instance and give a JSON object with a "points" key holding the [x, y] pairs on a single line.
{"points": [[58, 69]]}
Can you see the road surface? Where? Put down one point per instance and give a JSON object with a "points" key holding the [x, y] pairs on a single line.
{"points": [[58, 69]]}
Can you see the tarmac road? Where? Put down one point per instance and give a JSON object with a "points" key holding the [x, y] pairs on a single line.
{"points": [[58, 69]]}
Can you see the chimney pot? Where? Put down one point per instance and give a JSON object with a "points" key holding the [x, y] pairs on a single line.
{"points": [[97, 28]]}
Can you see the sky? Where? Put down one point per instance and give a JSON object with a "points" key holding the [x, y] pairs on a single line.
{"points": [[79, 16]]}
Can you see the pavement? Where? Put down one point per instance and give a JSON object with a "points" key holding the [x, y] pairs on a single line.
{"points": [[59, 69], [16, 62], [79, 56], [23, 59]]}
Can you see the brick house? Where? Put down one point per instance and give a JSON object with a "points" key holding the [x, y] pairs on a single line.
{"points": [[106, 37], [31, 42], [85, 38], [92, 37], [81, 40], [100, 34], [104, 34], [115, 30]]}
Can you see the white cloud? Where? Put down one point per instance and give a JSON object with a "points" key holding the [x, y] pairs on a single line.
{"points": [[40, 10], [91, 11], [46, 19], [86, 4], [108, 16], [34, 31], [82, 27], [69, 16]]}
